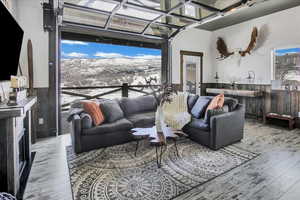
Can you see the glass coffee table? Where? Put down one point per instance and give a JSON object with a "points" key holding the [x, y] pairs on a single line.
{"points": [[157, 139]]}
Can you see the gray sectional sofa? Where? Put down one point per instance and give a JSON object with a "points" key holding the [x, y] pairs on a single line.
{"points": [[126, 113]]}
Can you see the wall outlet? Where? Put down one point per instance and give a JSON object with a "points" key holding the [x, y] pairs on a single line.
{"points": [[41, 121]]}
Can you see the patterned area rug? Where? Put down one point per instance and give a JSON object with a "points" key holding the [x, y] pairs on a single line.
{"points": [[115, 173]]}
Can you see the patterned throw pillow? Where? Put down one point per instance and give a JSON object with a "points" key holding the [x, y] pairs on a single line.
{"points": [[93, 109]]}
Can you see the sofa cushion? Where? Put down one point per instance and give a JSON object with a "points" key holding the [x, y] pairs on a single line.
{"points": [[142, 120], [111, 110], [191, 100], [86, 120], [137, 105], [198, 124], [119, 125], [199, 108]]}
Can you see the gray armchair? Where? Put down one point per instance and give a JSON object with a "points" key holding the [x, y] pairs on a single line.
{"points": [[222, 130], [227, 128]]}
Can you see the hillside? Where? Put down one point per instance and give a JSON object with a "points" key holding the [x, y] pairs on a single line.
{"points": [[105, 72]]}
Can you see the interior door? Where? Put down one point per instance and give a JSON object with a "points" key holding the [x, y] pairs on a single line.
{"points": [[191, 72]]}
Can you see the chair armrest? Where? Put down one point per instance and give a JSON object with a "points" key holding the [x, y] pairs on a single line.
{"points": [[76, 133], [227, 128]]}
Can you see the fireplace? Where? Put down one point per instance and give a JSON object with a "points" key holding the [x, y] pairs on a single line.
{"points": [[15, 142], [23, 159]]}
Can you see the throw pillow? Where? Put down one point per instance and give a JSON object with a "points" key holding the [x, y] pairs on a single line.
{"points": [[92, 108], [216, 102], [191, 100], [199, 107], [111, 110], [221, 100]]}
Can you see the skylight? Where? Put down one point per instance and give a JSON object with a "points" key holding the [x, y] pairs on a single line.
{"points": [[190, 10], [159, 18]]}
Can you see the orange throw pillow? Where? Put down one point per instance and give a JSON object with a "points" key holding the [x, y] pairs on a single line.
{"points": [[221, 100], [93, 109], [216, 102]]}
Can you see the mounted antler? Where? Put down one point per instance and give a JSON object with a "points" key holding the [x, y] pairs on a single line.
{"points": [[222, 48], [252, 43]]}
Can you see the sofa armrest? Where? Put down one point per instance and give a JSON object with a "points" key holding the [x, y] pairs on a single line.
{"points": [[227, 128], [76, 133]]}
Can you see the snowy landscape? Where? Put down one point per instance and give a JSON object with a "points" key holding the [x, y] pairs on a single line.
{"points": [[76, 72]]}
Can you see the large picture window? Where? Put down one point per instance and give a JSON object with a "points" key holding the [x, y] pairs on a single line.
{"points": [[286, 68], [88, 64]]}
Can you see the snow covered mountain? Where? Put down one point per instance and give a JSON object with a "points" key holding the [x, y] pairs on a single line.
{"points": [[110, 71]]}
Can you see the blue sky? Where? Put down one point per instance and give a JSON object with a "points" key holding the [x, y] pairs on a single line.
{"points": [[280, 52], [77, 49]]}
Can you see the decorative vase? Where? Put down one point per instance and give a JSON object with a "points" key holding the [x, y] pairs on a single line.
{"points": [[159, 118]]}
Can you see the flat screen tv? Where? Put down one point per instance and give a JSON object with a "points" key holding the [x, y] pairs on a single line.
{"points": [[11, 43]]}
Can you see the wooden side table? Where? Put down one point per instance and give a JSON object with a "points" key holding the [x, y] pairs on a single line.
{"points": [[291, 120]]}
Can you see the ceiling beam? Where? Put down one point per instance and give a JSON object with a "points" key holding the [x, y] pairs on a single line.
{"points": [[181, 4], [201, 5], [114, 11], [238, 4]]}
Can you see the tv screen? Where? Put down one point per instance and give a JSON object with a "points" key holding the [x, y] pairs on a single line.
{"points": [[11, 43]]}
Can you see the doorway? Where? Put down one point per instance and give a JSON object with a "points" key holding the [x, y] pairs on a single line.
{"points": [[191, 76]]}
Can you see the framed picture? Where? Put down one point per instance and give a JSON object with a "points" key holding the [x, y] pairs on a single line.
{"points": [[286, 67]]}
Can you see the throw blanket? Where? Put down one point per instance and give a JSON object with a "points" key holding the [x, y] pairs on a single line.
{"points": [[74, 111], [176, 113]]}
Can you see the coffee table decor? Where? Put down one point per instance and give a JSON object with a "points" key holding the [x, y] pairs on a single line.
{"points": [[115, 173], [157, 139]]}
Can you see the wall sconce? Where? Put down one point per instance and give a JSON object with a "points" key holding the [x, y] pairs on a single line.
{"points": [[251, 76], [217, 78]]}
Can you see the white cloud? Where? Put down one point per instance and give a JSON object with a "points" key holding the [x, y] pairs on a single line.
{"points": [[148, 57], [74, 55], [71, 42], [117, 55], [109, 55]]}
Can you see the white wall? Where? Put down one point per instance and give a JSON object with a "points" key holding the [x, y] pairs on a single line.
{"points": [[192, 40], [30, 18], [29, 15], [280, 29]]}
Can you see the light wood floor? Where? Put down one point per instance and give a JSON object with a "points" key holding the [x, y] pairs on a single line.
{"points": [[274, 175]]}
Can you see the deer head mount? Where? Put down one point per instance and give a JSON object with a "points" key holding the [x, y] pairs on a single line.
{"points": [[223, 50]]}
